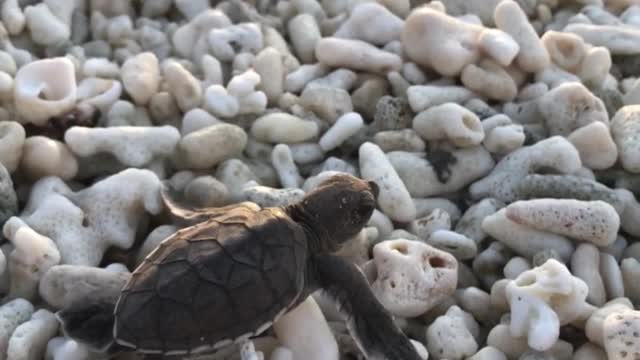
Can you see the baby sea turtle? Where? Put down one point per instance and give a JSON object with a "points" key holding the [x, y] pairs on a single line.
{"points": [[233, 271]]}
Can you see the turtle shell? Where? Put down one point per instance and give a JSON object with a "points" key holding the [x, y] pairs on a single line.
{"points": [[213, 283]]}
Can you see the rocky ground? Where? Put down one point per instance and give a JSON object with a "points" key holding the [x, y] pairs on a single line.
{"points": [[504, 137]]}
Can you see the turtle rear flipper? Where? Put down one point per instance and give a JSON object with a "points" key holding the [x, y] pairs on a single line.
{"points": [[91, 324], [377, 336]]}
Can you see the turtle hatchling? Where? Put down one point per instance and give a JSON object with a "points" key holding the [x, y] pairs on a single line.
{"points": [[231, 272]]}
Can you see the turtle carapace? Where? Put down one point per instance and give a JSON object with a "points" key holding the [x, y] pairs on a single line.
{"points": [[233, 271]]}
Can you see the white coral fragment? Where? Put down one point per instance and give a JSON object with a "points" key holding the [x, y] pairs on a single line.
{"points": [[510, 18], [84, 224], [32, 256], [525, 240], [451, 122], [543, 299], [356, 55], [594, 221], [371, 22], [29, 340], [412, 277], [554, 152], [140, 76], [133, 146], [44, 89], [228, 41]]}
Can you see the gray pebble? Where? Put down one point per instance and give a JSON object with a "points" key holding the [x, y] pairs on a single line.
{"points": [[234, 174], [399, 140], [336, 164], [207, 191], [612, 99], [541, 257], [392, 113], [66, 285], [367, 96]]}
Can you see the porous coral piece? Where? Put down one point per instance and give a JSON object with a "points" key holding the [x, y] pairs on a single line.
{"points": [[85, 223], [422, 97], [568, 187], [43, 156], [621, 335], [356, 55], [440, 172], [570, 106], [625, 127], [133, 146], [66, 285], [448, 337], [211, 145], [32, 256], [524, 240], [594, 329], [140, 76], [394, 199], [12, 136], [543, 299], [451, 122], [566, 50], [412, 277], [510, 18], [266, 196], [44, 89], [29, 340], [371, 22], [12, 314], [594, 221], [555, 152]]}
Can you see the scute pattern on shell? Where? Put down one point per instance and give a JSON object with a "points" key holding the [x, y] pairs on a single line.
{"points": [[199, 287]]}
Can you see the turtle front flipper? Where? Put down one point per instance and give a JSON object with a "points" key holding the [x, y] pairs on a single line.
{"points": [[373, 328], [185, 216]]}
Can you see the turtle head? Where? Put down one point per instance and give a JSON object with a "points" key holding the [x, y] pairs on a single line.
{"points": [[339, 209]]}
